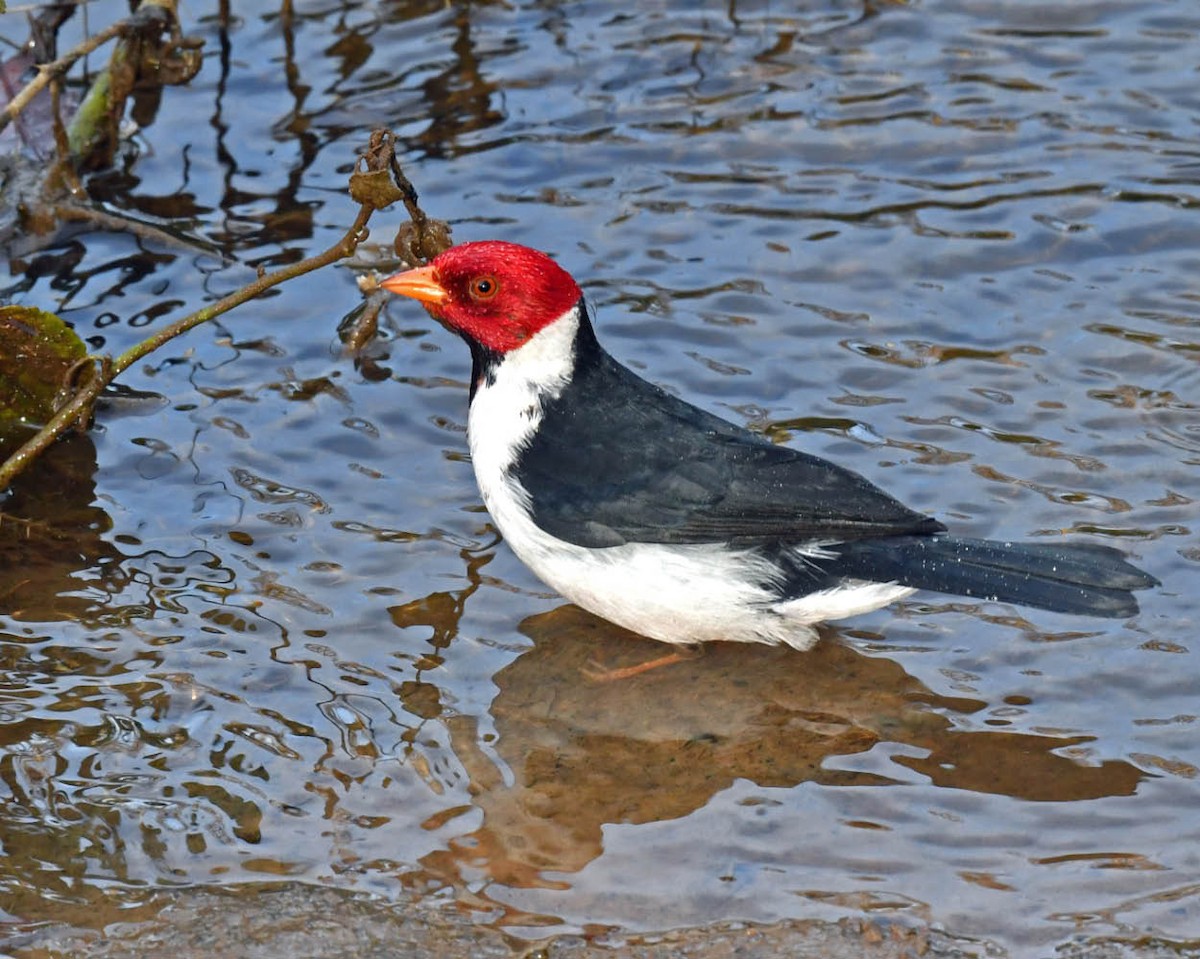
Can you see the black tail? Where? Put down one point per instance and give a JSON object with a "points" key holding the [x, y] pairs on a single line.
{"points": [[1077, 578]]}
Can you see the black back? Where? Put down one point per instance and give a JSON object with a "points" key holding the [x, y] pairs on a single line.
{"points": [[619, 460]]}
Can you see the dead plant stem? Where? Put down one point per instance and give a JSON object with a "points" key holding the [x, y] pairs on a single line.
{"points": [[47, 71], [105, 370]]}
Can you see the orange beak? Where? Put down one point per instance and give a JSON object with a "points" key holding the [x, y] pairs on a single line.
{"points": [[421, 284]]}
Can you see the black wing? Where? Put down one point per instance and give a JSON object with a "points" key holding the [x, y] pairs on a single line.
{"points": [[618, 460]]}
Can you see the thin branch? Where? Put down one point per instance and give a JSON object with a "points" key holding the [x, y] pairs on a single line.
{"points": [[343, 248], [47, 71], [125, 224], [104, 370]]}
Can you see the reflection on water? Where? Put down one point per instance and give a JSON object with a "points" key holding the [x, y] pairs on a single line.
{"points": [[575, 756], [265, 631], [157, 775]]}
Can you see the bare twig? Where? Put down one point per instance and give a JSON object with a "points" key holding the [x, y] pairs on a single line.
{"points": [[48, 71], [105, 370], [110, 221], [343, 248]]}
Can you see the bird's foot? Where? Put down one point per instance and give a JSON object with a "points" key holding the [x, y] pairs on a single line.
{"points": [[599, 673]]}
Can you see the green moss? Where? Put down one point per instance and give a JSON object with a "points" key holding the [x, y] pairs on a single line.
{"points": [[36, 351]]}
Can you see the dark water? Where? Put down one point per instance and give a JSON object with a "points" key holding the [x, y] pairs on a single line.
{"points": [[955, 246]]}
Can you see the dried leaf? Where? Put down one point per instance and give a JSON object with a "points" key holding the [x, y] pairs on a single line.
{"points": [[374, 187]]}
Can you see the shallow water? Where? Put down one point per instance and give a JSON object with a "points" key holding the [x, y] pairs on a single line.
{"points": [[952, 245]]}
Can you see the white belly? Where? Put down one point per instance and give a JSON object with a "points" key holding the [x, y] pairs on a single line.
{"points": [[676, 594]]}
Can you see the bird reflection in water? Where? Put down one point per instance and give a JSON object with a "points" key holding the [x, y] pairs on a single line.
{"points": [[580, 755]]}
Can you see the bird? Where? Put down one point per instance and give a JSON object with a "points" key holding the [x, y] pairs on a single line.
{"points": [[679, 525]]}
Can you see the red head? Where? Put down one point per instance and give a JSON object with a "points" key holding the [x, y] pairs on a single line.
{"points": [[495, 293]]}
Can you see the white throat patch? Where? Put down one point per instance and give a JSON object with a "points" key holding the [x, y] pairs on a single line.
{"points": [[505, 412]]}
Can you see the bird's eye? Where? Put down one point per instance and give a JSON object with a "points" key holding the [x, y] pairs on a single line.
{"points": [[484, 287]]}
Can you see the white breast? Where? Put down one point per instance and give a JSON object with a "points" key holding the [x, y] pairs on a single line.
{"points": [[676, 594]]}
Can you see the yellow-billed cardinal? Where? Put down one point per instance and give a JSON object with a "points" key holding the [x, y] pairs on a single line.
{"points": [[679, 525]]}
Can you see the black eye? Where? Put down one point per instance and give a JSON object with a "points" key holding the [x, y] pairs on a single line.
{"points": [[484, 287]]}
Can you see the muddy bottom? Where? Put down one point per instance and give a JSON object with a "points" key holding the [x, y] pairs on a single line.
{"points": [[297, 920]]}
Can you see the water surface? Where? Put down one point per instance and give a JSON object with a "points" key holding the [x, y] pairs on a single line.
{"points": [[952, 245]]}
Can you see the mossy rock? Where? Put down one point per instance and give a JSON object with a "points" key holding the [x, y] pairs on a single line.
{"points": [[37, 349]]}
